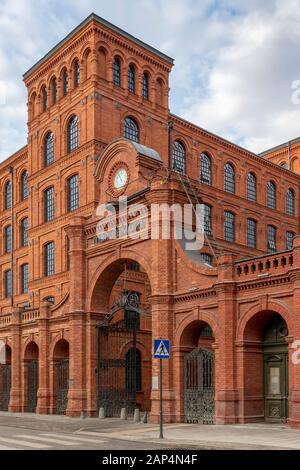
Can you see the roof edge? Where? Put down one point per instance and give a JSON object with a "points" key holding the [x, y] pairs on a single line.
{"points": [[109, 25]]}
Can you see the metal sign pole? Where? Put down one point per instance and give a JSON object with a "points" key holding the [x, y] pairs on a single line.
{"points": [[161, 417]]}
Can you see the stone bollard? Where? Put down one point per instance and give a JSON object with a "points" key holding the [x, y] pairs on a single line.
{"points": [[144, 419], [136, 416], [123, 413], [101, 413], [82, 415]]}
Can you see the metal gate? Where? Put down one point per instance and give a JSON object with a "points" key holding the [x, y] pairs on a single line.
{"points": [[6, 384], [118, 359], [62, 386], [32, 385], [199, 392]]}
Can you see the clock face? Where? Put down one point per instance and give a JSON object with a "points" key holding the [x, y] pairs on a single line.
{"points": [[120, 178]]}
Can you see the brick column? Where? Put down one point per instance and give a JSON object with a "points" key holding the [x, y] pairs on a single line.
{"points": [[294, 367], [226, 392], [43, 396], [15, 402], [78, 366]]}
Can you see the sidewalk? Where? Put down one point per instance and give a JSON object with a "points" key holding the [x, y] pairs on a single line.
{"points": [[184, 436]]}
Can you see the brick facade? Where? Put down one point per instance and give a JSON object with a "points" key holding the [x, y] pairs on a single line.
{"points": [[181, 297]]}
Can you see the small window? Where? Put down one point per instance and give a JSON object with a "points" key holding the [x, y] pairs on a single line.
{"points": [[131, 130], [7, 195], [205, 169], [54, 90], [131, 79], [290, 202], [73, 193], [50, 299], [65, 80], [229, 226], [271, 195], [179, 164], [24, 278], [24, 232], [117, 71], [229, 178], [49, 259], [251, 187], [206, 258], [73, 133], [24, 186], [49, 204], [8, 239], [207, 219], [251, 233], [8, 283], [44, 99], [271, 239], [145, 85], [284, 165], [76, 74], [49, 149], [289, 240]]}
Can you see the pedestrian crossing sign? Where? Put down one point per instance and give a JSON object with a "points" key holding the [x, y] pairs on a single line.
{"points": [[161, 349]]}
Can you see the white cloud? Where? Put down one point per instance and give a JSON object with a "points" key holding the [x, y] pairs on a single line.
{"points": [[235, 61]]}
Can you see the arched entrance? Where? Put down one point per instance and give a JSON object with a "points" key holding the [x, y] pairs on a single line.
{"points": [[5, 380], [124, 339], [265, 368], [196, 345], [31, 376], [61, 376], [275, 350]]}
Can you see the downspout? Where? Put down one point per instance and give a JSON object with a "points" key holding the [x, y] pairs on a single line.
{"points": [[11, 172]]}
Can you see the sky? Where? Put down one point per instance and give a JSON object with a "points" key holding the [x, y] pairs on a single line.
{"points": [[236, 61]]}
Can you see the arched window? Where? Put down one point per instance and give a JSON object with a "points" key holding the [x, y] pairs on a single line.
{"points": [[49, 149], [145, 86], [44, 99], [251, 187], [76, 74], [207, 219], [8, 239], [49, 299], [205, 169], [131, 78], [284, 165], [229, 226], [289, 240], [7, 283], [271, 195], [49, 269], [7, 195], [131, 130], [73, 193], [290, 202], [54, 90], [24, 186], [65, 82], [133, 368], [179, 157], [73, 133], [49, 204], [24, 232], [229, 178], [117, 71]]}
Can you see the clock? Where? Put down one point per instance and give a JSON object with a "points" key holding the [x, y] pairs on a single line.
{"points": [[120, 179]]}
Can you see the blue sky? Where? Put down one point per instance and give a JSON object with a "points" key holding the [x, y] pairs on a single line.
{"points": [[235, 60]]}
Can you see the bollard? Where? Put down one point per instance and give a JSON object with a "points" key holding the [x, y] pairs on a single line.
{"points": [[82, 415], [123, 413], [136, 416], [144, 419], [101, 413]]}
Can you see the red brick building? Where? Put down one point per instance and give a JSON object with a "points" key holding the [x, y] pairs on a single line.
{"points": [[99, 126]]}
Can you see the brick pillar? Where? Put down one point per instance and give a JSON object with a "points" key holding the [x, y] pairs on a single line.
{"points": [[226, 390], [15, 402], [78, 366], [294, 367], [43, 396], [162, 326]]}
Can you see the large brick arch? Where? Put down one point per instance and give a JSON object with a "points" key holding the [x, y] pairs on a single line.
{"points": [[192, 318], [272, 307], [107, 273]]}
